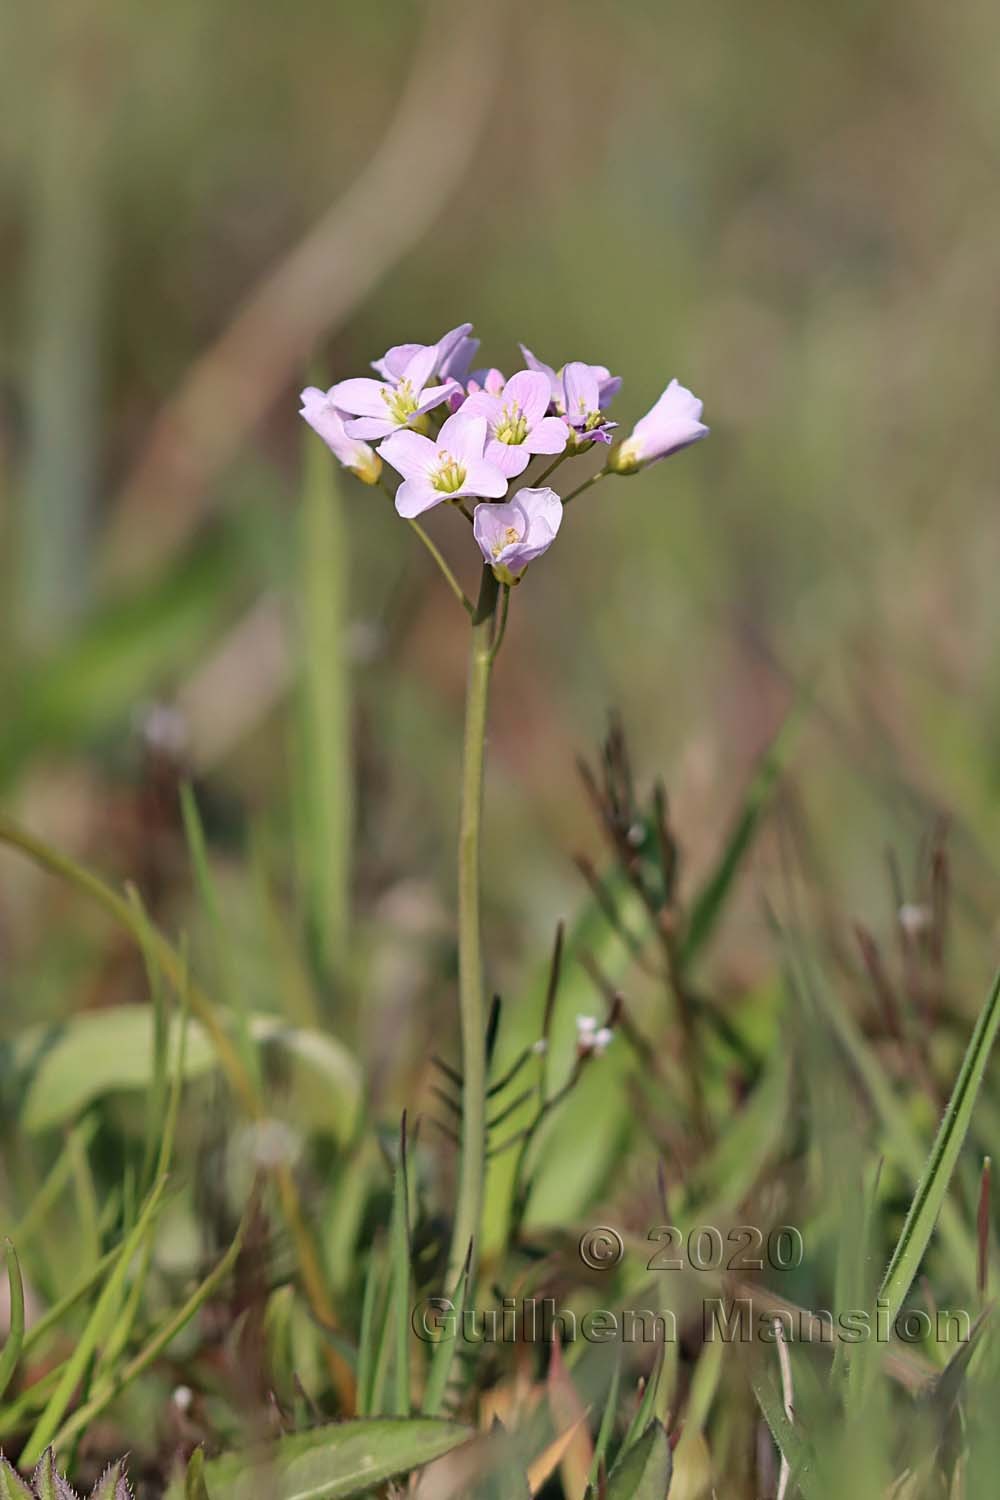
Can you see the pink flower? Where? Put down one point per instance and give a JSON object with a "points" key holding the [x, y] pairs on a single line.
{"points": [[511, 536], [517, 422], [581, 404], [455, 350], [378, 407], [324, 418], [446, 467], [672, 424], [608, 385]]}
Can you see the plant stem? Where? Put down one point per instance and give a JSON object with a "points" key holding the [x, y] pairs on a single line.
{"points": [[468, 1210], [438, 557], [553, 466], [585, 485], [446, 572], [501, 626]]}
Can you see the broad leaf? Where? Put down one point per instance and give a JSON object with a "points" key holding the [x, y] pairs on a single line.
{"points": [[106, 1051], [329, 1463]]}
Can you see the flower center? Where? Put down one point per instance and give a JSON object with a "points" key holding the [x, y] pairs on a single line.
{"points": [[510, 536], [401, 402], [512, 426], [449, 475], [583, 419]]}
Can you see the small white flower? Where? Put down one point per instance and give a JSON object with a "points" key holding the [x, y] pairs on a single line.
{"points": [[163, 727], [269, 1144], [591, 1039], [915, 919], [540, 1047]]}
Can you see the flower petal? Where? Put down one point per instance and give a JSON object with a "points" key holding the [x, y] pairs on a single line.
{"points": [[414, 496], [369, 428], [409, 453], [534, 363], [531, 391], [394, 361], [324, 418], [511, 458], [362, 397], [608, 388], [488, 525], [543, 511], [421, 367], [581, 391], [550, 435], [433, 395], [452, 348], [485, 479], [481, 404], [464, 437], [674, 422]]}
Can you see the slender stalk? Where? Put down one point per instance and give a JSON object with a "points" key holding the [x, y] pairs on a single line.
{"points": [[438, 557], [585, 485], [471, 996], [501, 626], [446, 572], [552, 467]]}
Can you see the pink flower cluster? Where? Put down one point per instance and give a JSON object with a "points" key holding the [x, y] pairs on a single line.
{"points": [[453, 433]]}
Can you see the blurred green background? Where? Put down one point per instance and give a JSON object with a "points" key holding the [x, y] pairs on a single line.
{"points": [[791, 207]]}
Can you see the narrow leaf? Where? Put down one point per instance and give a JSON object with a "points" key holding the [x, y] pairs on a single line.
{"points": [[95, 1329], [931, 1190], [711, 899], [15, 1331], [643, 1473], [195, 1487], [400, 1252]]}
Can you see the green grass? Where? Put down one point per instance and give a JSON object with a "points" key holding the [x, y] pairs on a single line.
{"points": [[227, 937]]}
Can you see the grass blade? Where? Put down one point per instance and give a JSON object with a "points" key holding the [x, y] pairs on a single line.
{"points": [[109, 1389], [227, 976], [366, 1336], [643, 1473], [96, 1328], [15, 1333], [929, 1196], [399, 1250], [711, 899], [444, 1352], [791, 1444], [325, 816]]}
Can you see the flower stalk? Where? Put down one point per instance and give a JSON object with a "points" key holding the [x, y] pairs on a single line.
{"points": [[459, 437], [471, 991]]}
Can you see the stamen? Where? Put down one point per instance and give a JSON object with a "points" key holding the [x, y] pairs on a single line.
{"points": [[449, 475], [510, 536], [512, 427], [401, 402]]}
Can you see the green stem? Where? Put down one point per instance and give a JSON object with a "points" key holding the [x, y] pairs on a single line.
{"points": [[432, 548], [501, 626], [471, 997], [445, 571], [585, 485], [553, 466]]}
